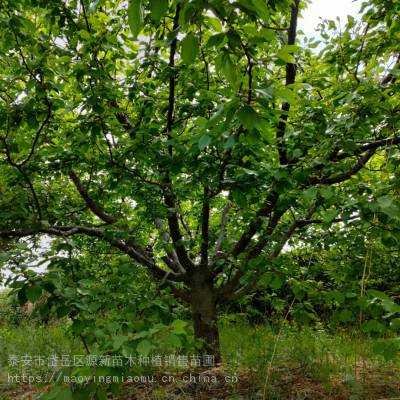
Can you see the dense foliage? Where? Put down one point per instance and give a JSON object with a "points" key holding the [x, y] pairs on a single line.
{"points": [[205, 142]]}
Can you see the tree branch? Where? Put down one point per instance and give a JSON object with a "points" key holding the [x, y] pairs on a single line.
{"points": [[174, 229], [85, 15], [122, 118], [205, 222], [224, 221], [20, 169], [96, 209], [367, 146], [131, 249], [169, 197], [171, 98], [233, 283], [391, 78], [330, 180], [232, 293], [172, 259], [290, 79], [38, 133], [252, 229]]}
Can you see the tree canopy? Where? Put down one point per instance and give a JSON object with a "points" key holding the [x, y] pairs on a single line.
{"points": [[196, 137]]}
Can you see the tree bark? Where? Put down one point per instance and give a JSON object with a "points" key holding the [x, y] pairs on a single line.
{"points": [[204, 314]]}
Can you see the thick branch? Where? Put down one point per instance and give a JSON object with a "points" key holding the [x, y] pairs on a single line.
{"points": [[172, 259], [232, 293], [95, 208], [256, 250], [255, 225], [174, 229], [332, 179], [169, 197], [205, 222], [369, 150], [171, 98], [224, 221], [233, 283], [130, 249], [368, 146], [290, 79]]}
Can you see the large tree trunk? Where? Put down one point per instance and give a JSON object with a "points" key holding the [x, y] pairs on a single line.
{"points": [[204, 313]]}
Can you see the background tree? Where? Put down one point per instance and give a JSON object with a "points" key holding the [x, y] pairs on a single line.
{"points": [[198, 137]]}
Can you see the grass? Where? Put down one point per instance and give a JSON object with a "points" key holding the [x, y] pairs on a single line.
{"points": [[31, 339], [307, 363], [295, 364], [22, 334]]}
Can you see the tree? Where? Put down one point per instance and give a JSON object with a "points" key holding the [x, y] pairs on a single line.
{"points": [[198, 137]]}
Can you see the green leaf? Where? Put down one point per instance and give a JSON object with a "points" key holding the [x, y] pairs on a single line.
{"points": [[82, 371], [172, 340], [373, 326], [248, 117], [62, 311], [171, 36], [276, 282], [285, 56], [287, 95], [390, 306], [4, 257], [84, 34], [178, 326], [135, 17], [78, 326], [249, 171], [329, 215], [228, 68], [215, 23], [327, 193], [28, 24], [158, 9], [389, 207], [118, 341], [345, 316], [58, 393], [310, 194], [204, 142], [268, 35], [190, 48], [387, 348], [144, 347], [33, 292], [262, 9], [216, 40], [141, 335], [377, 294], [395, 324], [101, 394], [234, 39], [229, 143], [350, 22]]}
